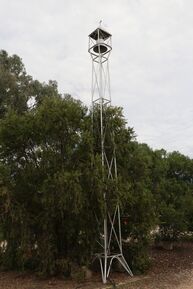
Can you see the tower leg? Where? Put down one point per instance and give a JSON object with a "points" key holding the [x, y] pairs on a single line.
{"points": [[105, 250]]}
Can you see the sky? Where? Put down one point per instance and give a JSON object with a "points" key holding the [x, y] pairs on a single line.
{"points": [[151, 65]]}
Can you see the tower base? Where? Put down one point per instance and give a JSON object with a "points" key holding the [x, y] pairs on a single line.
{"points": [[107, 257], [106, 264]]}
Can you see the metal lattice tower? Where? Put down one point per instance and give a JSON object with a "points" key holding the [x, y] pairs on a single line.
{"points": [[100, 47]]}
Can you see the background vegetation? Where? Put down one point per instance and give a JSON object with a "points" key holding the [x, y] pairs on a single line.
{"points": [[50, 184]]}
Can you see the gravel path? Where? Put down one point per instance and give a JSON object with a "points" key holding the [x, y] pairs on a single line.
{"points": [[170, 270], [181, 280]]}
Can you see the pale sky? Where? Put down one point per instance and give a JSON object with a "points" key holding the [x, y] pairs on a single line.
{"points": [[151, 64]]}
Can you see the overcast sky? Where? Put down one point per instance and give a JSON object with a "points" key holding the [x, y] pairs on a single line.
{"points": [[151, 64]]}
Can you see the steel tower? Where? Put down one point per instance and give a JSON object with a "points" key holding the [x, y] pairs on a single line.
{"points": [[100, 47]]}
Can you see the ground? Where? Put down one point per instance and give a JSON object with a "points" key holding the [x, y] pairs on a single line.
{"points": [[170, 269]]}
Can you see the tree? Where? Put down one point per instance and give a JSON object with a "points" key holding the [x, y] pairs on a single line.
{"points": [[173, 188], [17, 88], [139, 216], [51, 185]]}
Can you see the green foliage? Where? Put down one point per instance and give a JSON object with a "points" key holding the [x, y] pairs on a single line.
{"points": [[138, 206], [173, 193], [43, 153], [17, 88], [14, 84]]}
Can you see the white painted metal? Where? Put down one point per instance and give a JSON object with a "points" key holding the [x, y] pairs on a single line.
{"points": [[100, 47]]}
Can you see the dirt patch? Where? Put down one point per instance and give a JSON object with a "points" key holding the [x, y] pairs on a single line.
{"points": [[169, 270]]}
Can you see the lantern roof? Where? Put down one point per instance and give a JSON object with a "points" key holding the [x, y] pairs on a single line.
{"points": [[99, 33]]}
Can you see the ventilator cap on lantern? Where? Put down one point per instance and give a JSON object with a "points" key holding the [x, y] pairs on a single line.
{"points": [[100, 36]]}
